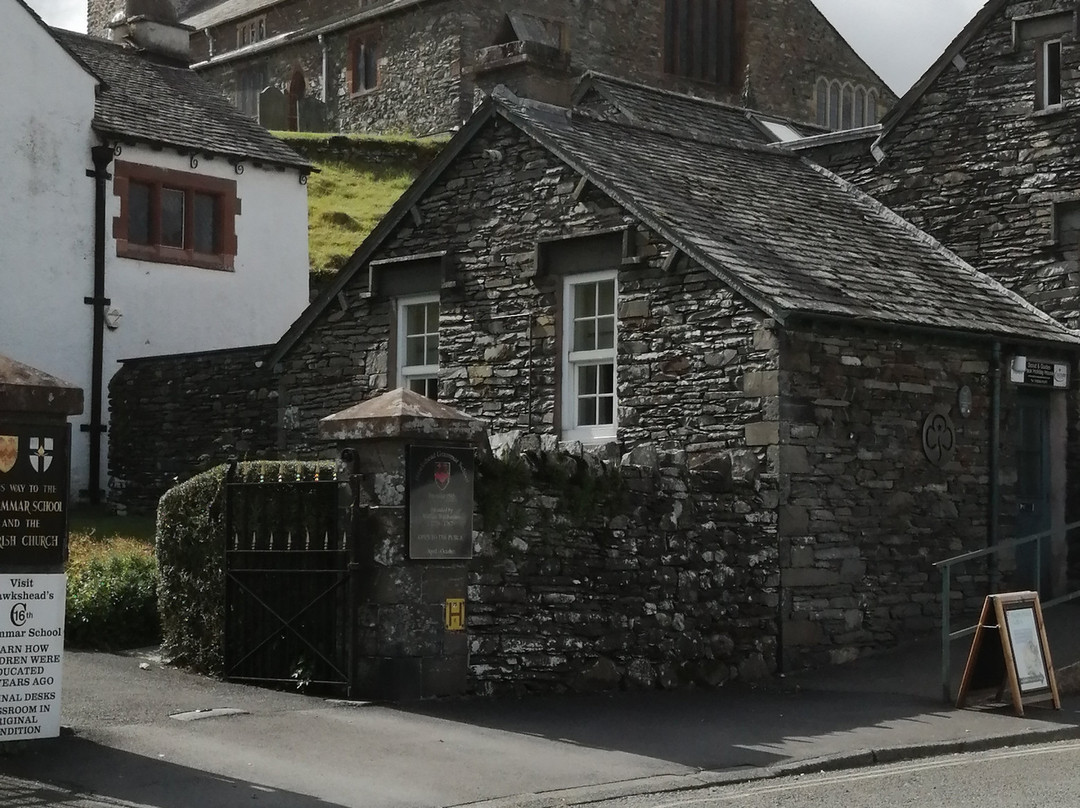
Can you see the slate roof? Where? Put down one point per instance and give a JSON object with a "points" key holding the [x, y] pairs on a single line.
{"points": [[161, 103], [651, 106], [337, 20], [791, 237], [207, 16]]}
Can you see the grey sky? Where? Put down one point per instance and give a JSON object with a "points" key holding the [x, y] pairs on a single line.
{"points": [[898, 38]]}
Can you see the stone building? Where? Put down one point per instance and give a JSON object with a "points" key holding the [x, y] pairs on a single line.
{"points": [[604, 280], [420, 65], [982, 154]]}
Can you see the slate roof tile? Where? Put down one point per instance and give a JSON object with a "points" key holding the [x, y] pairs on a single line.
{"points": [[652, 106], [162, 103], [791, 236]]}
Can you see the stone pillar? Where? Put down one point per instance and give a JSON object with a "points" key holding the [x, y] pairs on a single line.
{"points": [[410, 597]]}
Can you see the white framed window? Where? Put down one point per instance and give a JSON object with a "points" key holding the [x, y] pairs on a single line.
{"points": [[590, 367], [1049, 75], [418, 344]]}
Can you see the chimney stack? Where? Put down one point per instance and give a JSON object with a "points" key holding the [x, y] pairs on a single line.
{"points": [[152, 26]]}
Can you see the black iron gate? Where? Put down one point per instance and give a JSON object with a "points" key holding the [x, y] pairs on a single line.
{"points": [[288, 588]]}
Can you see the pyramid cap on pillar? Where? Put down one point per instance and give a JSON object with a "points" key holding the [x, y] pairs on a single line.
{"points": [[24, 389], [401, 413]]}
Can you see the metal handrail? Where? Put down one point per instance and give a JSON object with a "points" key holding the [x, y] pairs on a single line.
{"points": [[946, 566]]}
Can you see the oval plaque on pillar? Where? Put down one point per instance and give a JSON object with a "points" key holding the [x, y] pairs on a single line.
{"points": [[939, 438]]}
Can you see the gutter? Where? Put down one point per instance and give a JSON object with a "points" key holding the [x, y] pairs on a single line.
{"points": [[293, 37], [102, 157]]}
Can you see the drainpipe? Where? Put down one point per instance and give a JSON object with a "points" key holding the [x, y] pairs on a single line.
{"points": [[993, 530], [102, 156], [325, 66]]}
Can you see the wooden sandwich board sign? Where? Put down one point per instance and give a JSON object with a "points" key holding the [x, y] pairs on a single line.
{"points": [[1010, 650]]}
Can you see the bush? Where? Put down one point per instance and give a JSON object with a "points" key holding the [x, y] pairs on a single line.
{"points": [[190, 545], [112, 602]]}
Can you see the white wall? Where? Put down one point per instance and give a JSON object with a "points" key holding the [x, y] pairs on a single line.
{"points": [[168, 308], [47, 204]]}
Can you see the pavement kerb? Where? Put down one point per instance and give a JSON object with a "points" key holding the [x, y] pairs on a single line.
{"points": [[673, 784]]}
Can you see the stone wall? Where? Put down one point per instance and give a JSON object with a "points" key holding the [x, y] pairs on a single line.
{"points": [[682, 366], [175, 416], [428, 57], [405, 155], [598, 573], [976, 166], [864, 514]]}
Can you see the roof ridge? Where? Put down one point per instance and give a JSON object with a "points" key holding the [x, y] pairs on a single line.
{"points": [[505, 96], [712, 102], [981, 18]]}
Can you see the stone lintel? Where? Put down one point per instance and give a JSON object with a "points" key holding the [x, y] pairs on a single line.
{"points": [[24, 389], [404, 414]]}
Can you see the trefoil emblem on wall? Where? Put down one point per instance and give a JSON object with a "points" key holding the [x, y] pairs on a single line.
{"points": [[442, 474], [9, 452], [41, 456]]}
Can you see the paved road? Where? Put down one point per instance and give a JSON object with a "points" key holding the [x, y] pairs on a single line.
{"points": [[285, 749], [1044, 776]]}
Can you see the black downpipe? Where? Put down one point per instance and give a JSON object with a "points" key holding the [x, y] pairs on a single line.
{"points": [[102, 156], [993, 529]]}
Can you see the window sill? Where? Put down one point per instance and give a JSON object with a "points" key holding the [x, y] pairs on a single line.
{"points": [[171, 255], [590, 437], [364, 93], [1054, 111]]}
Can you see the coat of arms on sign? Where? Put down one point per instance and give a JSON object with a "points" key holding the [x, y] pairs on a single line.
{"points": [[442, 474], [41, 453], [9, 452]]}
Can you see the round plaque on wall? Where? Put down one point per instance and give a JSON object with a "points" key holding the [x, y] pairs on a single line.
{"points": [[939, 438]]}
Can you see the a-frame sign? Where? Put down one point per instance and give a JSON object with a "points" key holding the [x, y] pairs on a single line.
{"points": [[1010, 650]]}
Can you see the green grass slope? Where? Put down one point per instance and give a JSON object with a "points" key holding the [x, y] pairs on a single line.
{"points": [[359, 179]]}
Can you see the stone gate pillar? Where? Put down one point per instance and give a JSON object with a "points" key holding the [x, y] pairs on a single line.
{"points": [[415, 458]]}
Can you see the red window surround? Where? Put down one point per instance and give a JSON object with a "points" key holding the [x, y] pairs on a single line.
{"points": [[175, 217]]}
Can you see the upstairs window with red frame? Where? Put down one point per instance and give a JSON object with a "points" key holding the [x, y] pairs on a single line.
{"points": [[175, 217]]}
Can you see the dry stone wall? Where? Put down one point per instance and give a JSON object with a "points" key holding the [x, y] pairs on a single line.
{"points": [[597, 572], [175, 416]]}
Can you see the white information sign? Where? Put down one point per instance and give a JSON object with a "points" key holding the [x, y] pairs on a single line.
{"points": [[1027, 651], [31, 654]]}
